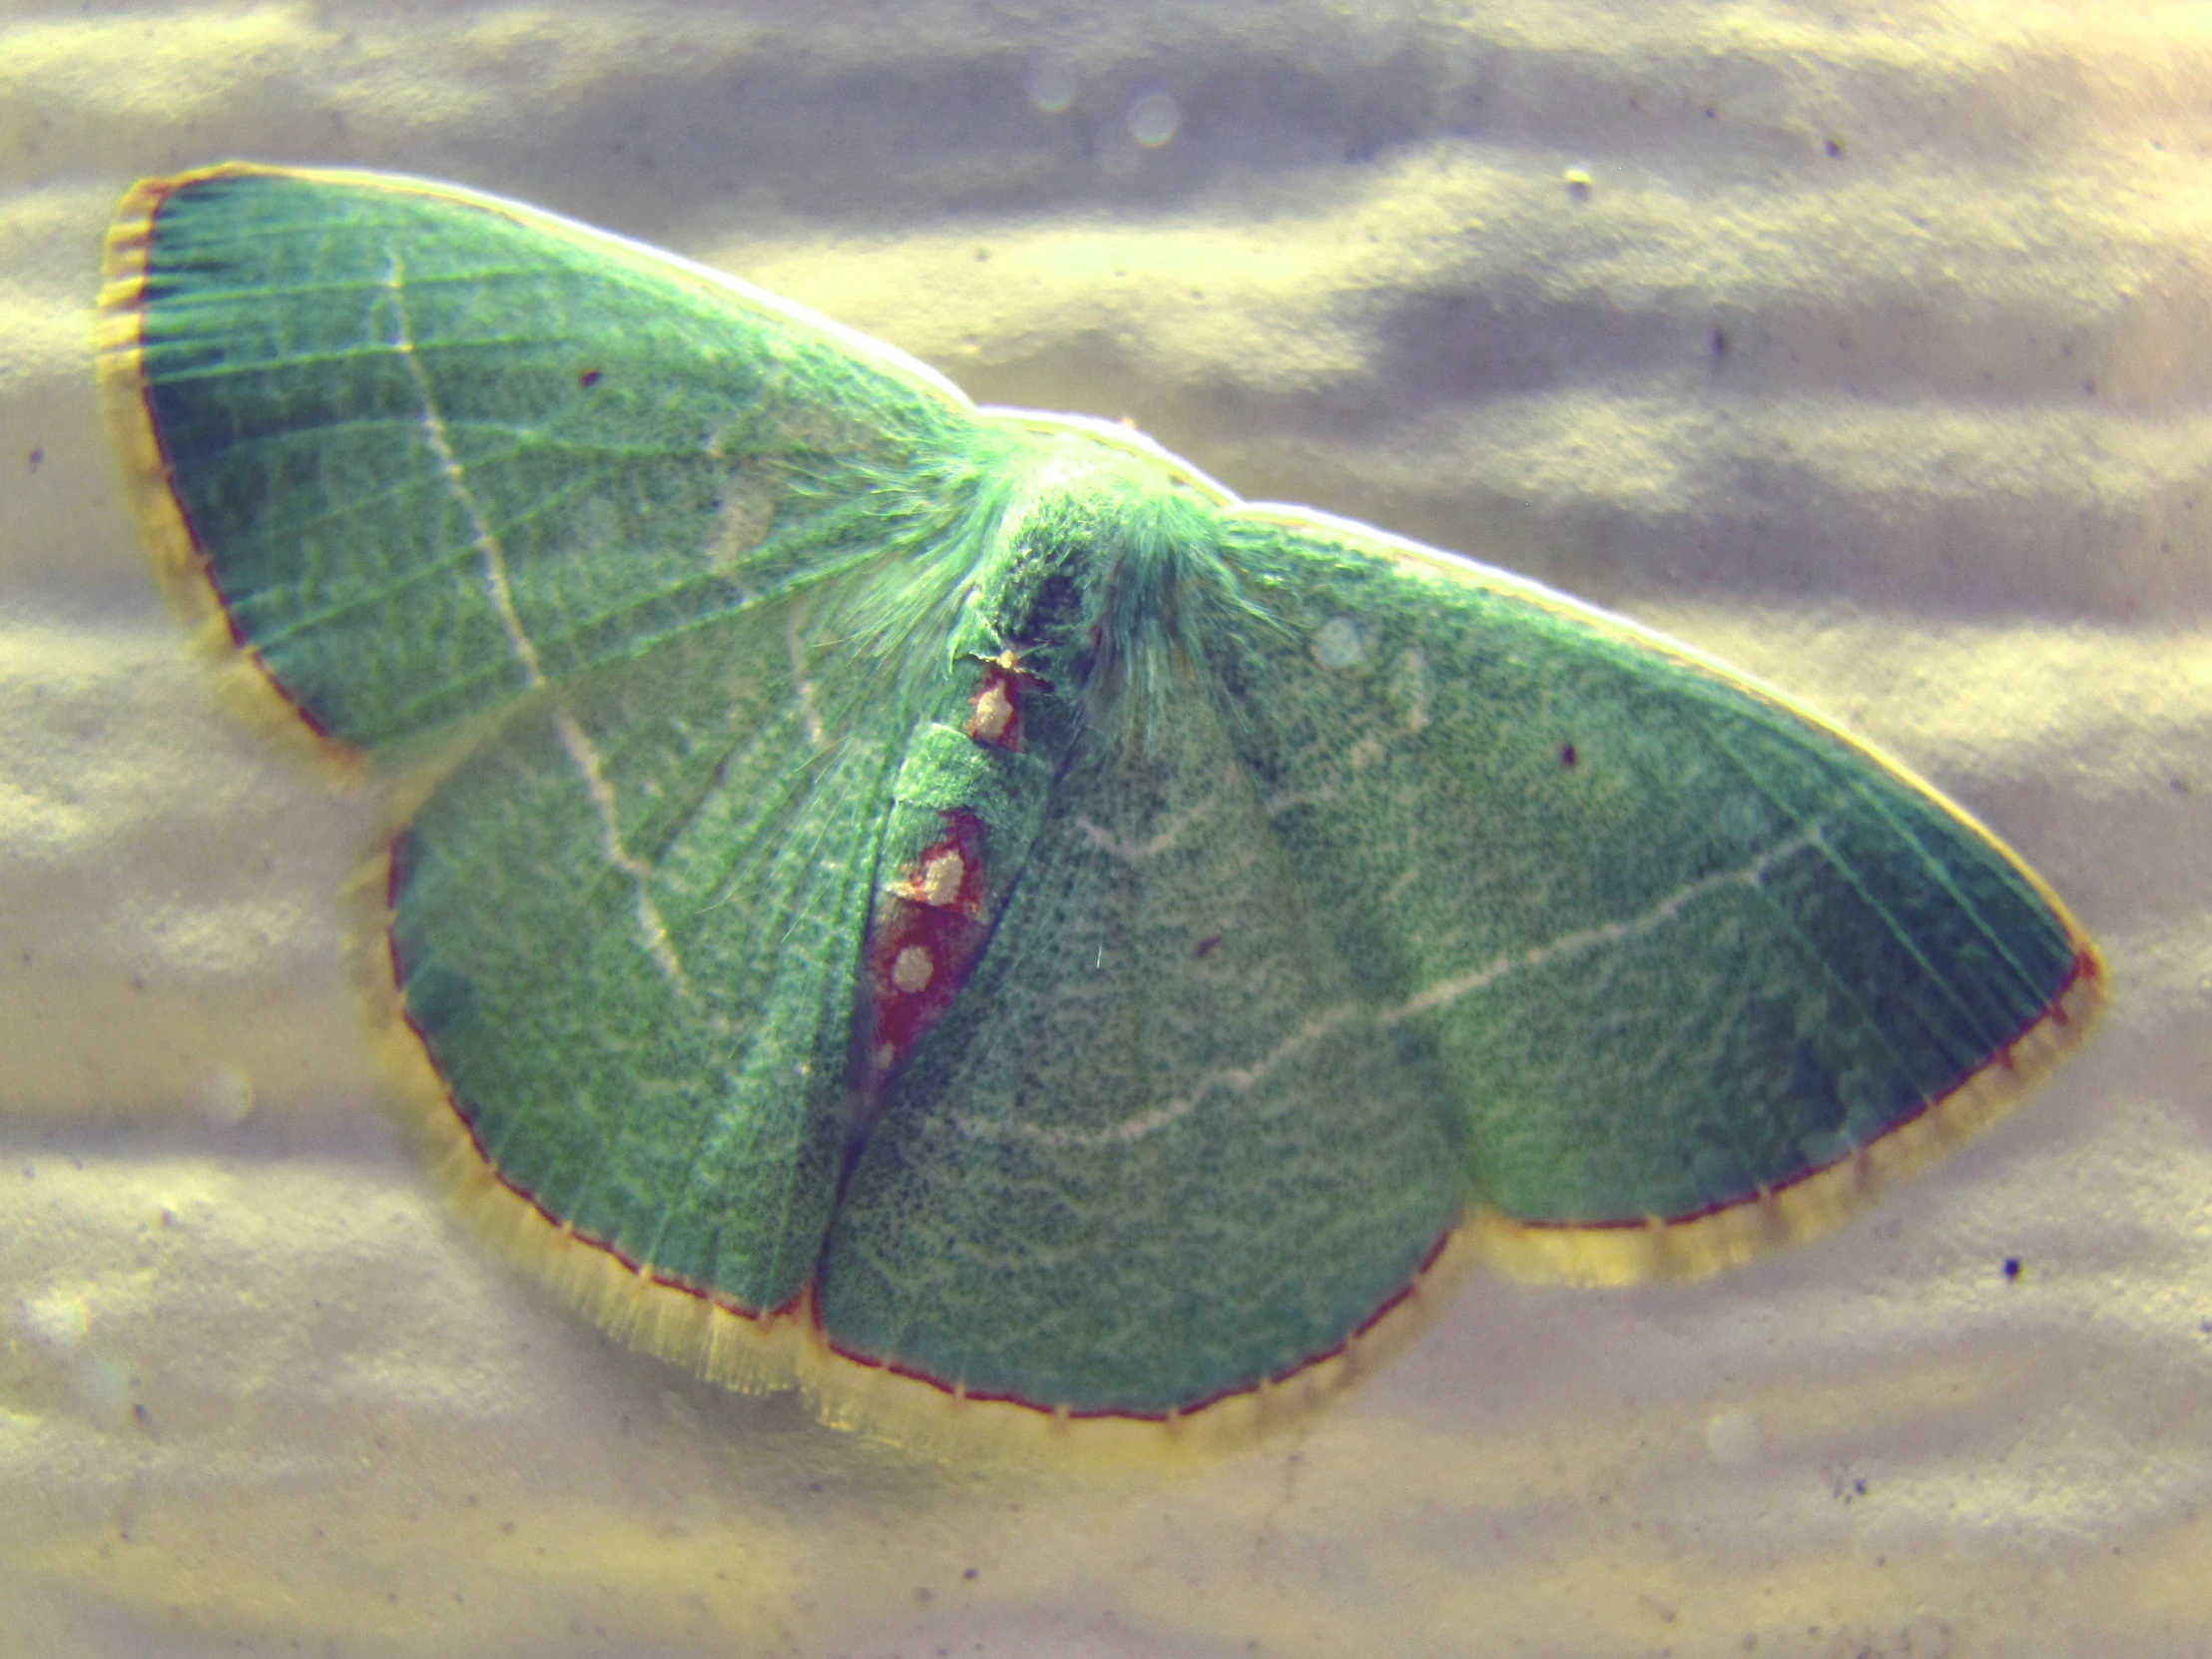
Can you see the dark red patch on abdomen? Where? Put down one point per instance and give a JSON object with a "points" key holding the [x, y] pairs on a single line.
{"points": [[997, 703], [928, 930]]}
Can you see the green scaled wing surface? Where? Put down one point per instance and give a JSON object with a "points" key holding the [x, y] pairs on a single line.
{"points": [[1159, 1148], [576, 523], [1671, 943], [945, 905], [1421, 893]]}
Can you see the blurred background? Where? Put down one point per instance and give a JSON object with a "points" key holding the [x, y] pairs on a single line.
{"points": [[1865, 344]]}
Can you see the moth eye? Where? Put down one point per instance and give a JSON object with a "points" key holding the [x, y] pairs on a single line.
{"points": [[1057, 600]]}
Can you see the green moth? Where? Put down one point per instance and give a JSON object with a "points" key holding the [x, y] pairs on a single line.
{"points": [[952, 909]]}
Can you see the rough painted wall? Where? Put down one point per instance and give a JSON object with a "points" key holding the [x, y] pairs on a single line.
{"points": [[1865, 344]]}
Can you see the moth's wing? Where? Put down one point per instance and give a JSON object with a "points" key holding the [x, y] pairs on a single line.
{"points": [[1429, 896], [1157, 1150], [593, 541], [1694, 966], [415, 451], [625, 932]]}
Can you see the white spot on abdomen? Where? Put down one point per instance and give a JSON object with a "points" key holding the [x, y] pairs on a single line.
{"points": [[911, 969], [992, 712], [941, 879]]}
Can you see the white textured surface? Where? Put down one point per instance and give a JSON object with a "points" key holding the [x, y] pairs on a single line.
{"points": [[1464, 273]]}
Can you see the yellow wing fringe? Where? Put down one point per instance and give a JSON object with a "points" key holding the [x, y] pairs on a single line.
{"points": [[1693, 1247], [242, 679], [786, 1347]]}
